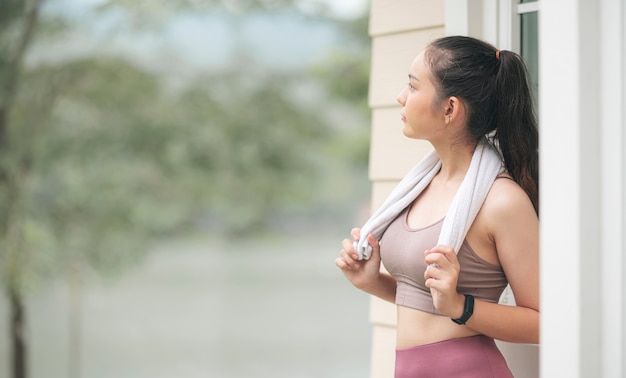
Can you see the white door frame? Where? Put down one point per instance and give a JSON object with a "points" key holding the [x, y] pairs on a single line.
{"points": [[582, 97], [583, 173]]}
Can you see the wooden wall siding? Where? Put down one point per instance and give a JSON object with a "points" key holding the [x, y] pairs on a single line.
{"points": [[393, 16], [392, 56], [383, 352], [383, 312]]}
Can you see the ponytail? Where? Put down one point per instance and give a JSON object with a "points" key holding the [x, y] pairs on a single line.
{"points": [[495, 88], [516, 130]]}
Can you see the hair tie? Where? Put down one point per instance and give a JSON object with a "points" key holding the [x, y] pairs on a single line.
{"points": [[498, 54]]}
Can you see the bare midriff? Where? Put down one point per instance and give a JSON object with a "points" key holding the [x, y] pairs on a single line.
{"points": [[417, 327]]}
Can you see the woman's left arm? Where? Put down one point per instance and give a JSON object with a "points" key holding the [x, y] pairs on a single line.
{"points": [[513, 227]]}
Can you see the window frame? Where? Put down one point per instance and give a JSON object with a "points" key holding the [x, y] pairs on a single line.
{"points": [[509, 28]]}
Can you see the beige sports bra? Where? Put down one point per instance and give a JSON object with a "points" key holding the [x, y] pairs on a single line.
{"points": [[402, 253]]}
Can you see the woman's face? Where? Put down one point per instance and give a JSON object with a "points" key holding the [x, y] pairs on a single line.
{"points": [[421, 113]]}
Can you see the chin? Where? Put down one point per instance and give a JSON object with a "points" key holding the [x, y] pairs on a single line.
{"points": [[409, 133], [406, 130]]}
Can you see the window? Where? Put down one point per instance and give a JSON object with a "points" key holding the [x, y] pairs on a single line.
{"points": [[516, 29], [529, 39]]}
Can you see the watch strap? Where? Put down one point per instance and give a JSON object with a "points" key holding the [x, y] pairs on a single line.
{"points": [[468, 310]]}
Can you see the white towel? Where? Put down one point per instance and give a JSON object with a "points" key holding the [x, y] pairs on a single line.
{"points": [[485, 166]]}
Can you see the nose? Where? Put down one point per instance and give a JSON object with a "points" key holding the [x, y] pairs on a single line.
{"points": [[401, 99]]}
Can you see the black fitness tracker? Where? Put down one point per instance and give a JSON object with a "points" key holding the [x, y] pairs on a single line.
{"points": [[468, 310]]}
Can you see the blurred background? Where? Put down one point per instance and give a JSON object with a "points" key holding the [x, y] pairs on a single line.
{"points": [[176, 177]]}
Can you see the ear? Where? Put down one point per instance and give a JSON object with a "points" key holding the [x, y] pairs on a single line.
{"points": [[454, 110]]}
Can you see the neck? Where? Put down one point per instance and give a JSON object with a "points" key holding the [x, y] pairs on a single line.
{"points": [[455, 160]]}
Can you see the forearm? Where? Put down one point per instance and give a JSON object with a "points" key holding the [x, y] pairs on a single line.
{"points": [[513, 324], [384, 287]]}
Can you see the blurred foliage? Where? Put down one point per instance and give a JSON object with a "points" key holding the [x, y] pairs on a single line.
{"points": [[344, 72], [99, 155], [158, 8], [118, 159], [112, 157], [269, 162]]}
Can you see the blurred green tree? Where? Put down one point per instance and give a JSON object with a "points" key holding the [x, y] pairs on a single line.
{"points": [[18, 21], [98, 156], [344, 73]]}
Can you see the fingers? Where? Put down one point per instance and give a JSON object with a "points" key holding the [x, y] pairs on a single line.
{"points": [[348, 258], [356, 233], [442, 268], [341, 264], [441, 255], [432, 275], [348, 247], [372, 241], [439, 279]]}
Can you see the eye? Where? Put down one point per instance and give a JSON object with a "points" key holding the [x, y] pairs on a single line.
{"points": [[411, 87]]}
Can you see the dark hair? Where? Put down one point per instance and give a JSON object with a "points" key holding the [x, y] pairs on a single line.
{"points": [[494, 86]]}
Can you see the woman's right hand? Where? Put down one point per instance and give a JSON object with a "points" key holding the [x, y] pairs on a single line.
{"points": [[361, 273]]}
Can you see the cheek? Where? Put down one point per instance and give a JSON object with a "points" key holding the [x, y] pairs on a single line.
{"points": [[416, 108], [423, 108]]}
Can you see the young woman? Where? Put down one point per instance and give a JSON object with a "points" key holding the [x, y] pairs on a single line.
{"points": [[461, 92]]}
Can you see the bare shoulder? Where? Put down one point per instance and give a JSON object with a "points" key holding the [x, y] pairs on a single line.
{"points": [[506, 228], [507, 198], [507, 205]]}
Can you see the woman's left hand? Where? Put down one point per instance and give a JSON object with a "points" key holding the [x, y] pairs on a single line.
{"points": [[441, 275]]}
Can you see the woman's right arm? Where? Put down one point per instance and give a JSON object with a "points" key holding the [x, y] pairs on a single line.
{"points": [[365, 274]]}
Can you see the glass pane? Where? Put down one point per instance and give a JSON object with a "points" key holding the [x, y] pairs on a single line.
{"points": [[530, 47]]}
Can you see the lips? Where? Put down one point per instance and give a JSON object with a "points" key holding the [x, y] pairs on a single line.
{"points": [[402, 117]]}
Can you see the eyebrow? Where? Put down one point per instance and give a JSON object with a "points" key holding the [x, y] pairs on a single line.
{"points": [[412, 77]]}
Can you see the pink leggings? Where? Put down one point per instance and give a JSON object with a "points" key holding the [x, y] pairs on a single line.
{"points": [[467, 357]]}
